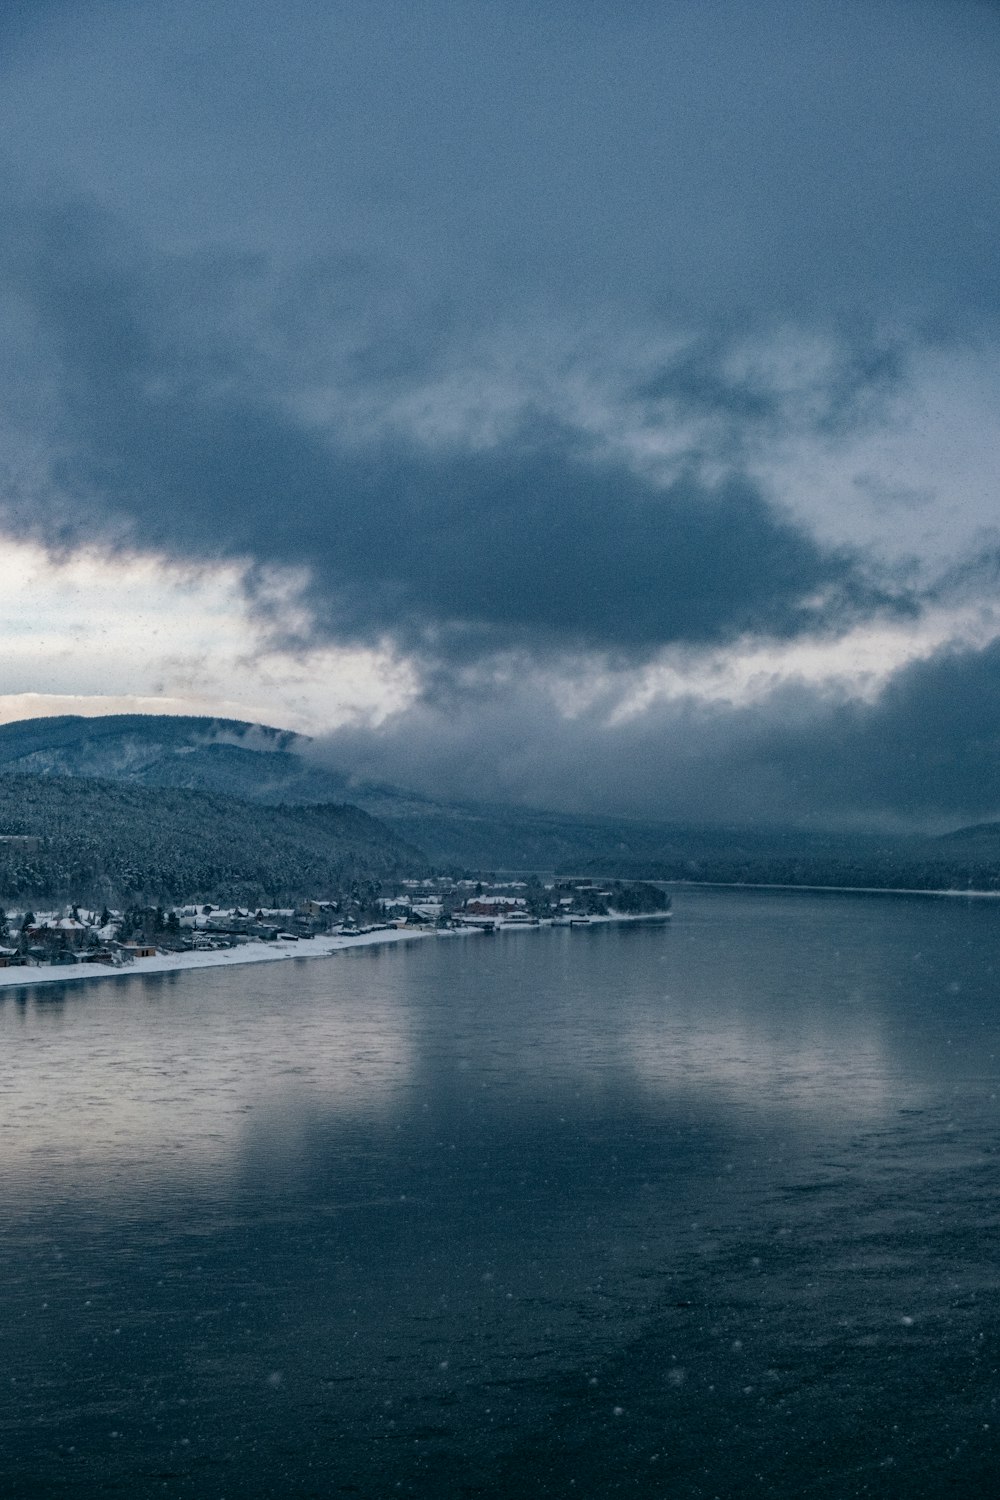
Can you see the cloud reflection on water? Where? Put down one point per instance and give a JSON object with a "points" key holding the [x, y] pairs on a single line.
{"points": [[141, 1079], [241, 1075]]}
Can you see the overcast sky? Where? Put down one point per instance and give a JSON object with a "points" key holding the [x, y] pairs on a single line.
{"points": [[595, 408]]}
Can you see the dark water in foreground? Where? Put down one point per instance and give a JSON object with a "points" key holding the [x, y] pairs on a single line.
{"points": [[702, 1210]]}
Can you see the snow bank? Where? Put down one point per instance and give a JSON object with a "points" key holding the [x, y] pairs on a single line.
{"points": [[323, 946]]}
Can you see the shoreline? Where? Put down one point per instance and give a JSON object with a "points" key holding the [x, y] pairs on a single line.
{"points": [[835, 890], [322, 946]]}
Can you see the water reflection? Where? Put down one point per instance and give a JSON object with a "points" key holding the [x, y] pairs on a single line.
{"points": [[161, 1072], [797, 1008], [505, 1214]]}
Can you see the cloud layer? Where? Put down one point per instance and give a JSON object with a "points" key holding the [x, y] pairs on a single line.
{"points": [[574, 340], [923, 755], [171, 435]]}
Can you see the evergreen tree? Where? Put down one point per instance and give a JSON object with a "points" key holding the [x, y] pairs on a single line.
{"points": [[23, 940]]}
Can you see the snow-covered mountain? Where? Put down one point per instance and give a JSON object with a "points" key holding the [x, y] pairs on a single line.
{"points": [[257, 763], [225, 756]]}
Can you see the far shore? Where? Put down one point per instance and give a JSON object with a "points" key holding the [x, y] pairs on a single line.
{"points": [[834, 890], [321, 946]]}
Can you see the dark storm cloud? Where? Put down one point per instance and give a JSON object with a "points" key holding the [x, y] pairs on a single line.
{"points": [[350, 195], [865, 369], [924, 756], [929, 748], [174, 436], [483, 317], [788, 157]]}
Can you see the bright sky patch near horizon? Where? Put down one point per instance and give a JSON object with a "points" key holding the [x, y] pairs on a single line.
{"points": [[597, 407]]}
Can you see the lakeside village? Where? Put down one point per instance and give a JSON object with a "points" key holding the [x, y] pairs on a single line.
{"points": [[74, 935]]}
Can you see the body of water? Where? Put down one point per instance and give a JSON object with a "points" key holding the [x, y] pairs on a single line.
{"points": [[707, 1208]]}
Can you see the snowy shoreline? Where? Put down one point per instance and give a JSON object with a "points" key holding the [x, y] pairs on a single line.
{"points": [[321, 946]]}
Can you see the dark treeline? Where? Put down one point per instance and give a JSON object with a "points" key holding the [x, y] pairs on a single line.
{"points": [[891, 872], [633, 898], [102, 841]]}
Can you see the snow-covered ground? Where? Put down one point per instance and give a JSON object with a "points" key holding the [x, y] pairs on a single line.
{"points": [[252, 953], [246, 953]]}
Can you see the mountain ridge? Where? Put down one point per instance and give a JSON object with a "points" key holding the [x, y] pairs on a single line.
{"points": [[275, 767]]}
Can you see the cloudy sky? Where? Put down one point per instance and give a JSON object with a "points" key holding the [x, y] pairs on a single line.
{"points": [[593, 405]]}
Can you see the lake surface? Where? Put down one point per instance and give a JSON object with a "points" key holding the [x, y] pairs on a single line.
{"points": [[709, 1208]]}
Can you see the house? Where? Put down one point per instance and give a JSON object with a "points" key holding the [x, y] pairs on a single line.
{"points": [[63, 932], [494, 906], [312, 908], [138, 950], [427, 911]]}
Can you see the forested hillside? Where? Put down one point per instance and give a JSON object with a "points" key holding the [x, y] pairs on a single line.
{"points": [[105, 841], [255, 763], [228, 761], [802, 859]]}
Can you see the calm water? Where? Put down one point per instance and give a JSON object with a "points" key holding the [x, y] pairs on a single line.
{"points": [[708, 1209]]}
